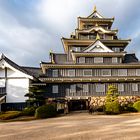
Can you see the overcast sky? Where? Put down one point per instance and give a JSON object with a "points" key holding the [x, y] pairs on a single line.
{"points": [[30, 28]]}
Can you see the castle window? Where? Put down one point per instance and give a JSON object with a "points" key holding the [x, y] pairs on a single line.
{"points": [[121, 87], [106, 72], [76, 49], [81, 59], [55, 73], [116, 49], [71, 73], [100, 88], [114, 60], [134, 87], [137, 72], [98, 59], [92, 36], [122, 72], [87, 72], [72, 88], [55, 89], [85, 88]]}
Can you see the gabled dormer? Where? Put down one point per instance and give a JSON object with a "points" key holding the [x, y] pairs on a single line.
{"points": [[97, 46], [92, 32], [95, 14]]}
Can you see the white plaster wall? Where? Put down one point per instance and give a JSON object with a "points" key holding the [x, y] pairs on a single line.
{"points": [[2, 72], [2, 82], [16, 89], [11, 73]]}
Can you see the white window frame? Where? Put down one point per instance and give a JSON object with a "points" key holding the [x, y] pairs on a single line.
{"points": [[55, 73], [121, 73], [103, 70], [89, 70], [98, 59], [72, 88], [82, 60], [86, 88], [121, 87], [70, 73], [135, 87], [137, 72], [114, 60], [55, 89], [100, 88]]}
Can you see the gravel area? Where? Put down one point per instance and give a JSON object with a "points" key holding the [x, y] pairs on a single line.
{"points": [[76, 126]]}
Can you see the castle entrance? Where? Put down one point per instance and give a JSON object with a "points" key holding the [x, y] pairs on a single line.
{"points": [[79, 104]]}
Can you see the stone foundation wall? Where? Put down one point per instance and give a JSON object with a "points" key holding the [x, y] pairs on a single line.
{"points": [[123, 100]]}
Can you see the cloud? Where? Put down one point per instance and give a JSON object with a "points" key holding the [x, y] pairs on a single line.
{"points": [[29, 29]]}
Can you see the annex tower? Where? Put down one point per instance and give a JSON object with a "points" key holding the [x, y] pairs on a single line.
{"points": [[94, 58]]}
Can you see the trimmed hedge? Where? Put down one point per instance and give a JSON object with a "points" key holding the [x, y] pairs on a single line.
{"points": [[136, 105], [29, 111], [10, 115], [46, 111]]}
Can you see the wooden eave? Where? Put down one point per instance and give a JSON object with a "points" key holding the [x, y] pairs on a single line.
{"points": [[108, 21], [100, 66], [119, 43], [91, 79], [100, 54], [115, 31], [96, 19]]}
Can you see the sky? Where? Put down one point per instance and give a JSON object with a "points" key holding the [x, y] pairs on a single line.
{"points": [[29, 29]]}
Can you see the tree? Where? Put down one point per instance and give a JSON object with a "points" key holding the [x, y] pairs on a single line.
{"points": [[36, 96], [112, 105]]}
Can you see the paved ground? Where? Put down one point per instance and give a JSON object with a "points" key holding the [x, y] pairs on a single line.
{"points": [[81, 126]]}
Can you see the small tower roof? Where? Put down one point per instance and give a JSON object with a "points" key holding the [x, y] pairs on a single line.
{"points": [[95, 14]]}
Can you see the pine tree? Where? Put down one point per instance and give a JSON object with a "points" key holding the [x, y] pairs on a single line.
{"points": [[112, 104], [36, 96]]}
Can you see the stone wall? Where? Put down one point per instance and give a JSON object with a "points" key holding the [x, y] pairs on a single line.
{"points": [[123, 100]]}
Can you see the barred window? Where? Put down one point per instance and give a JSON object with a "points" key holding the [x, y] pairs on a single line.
{"points": [[106, 72], [122, 72], [137, 72], [55, 89], [85, 88], [98, 59], [81, 59], [55, 73], [116, 49], [114, 60], [72, 88], [71, 73], [100, 88], [87, 72], [121, 87], [134, 87]]}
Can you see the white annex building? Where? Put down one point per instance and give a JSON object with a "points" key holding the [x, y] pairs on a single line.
{"points": [[14, 81]]}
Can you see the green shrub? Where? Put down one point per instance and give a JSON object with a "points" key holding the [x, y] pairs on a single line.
{"points": [[136, 105], [128, 108], [29, 111], [112, 107], [10, 115], [46, 111]]}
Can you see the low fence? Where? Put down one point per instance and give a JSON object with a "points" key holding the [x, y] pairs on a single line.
{"points": [[13, 106]]}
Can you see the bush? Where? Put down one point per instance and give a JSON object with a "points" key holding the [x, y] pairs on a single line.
{"points": [[46, 111], [29, 111], [10, 115], [136, 105], [128, 108], [112, 107]]}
